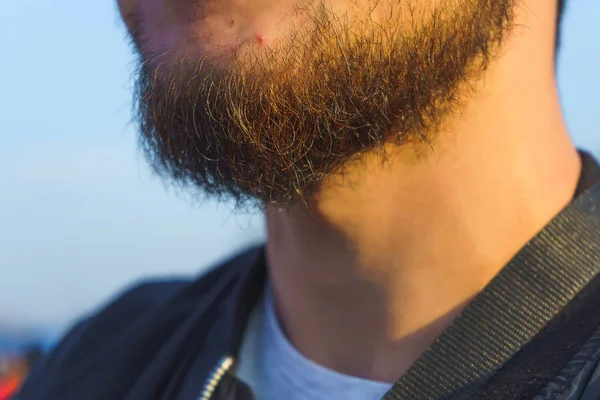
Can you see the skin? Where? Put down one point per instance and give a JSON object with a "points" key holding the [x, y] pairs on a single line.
{"points": [[375, 267], [215, 26]]}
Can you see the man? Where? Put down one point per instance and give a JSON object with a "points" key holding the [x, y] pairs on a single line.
{"points": [[432, 231]]}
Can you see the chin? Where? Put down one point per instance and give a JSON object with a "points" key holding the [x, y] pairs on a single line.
{"points": [[213, 29]]}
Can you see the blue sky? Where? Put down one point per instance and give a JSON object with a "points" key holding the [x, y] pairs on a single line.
{"points": [[80, 215]]}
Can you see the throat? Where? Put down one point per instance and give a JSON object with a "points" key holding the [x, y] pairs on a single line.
{"points": [[367, 277], [366, 314]]}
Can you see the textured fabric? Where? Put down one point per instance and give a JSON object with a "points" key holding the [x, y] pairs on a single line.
{"points": [[275, 370]]}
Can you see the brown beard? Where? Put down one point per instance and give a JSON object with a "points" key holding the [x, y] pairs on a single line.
{"points": [[272, 124]]}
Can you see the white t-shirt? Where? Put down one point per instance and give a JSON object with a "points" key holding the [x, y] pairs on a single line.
{"points": [[275, 370]]}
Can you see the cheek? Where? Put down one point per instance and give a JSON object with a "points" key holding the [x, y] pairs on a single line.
{"points": [[128, 8], [210, 26]]}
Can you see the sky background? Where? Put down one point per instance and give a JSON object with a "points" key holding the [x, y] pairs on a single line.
{"points": [[81, 216]]}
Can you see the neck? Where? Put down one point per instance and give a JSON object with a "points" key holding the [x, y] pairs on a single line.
{"points": [[372, 272]]}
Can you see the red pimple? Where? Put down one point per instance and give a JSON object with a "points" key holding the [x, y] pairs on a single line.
{"points": [[260, 38]]}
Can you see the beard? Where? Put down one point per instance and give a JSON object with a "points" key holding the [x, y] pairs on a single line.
{"points": [[268, 125]]}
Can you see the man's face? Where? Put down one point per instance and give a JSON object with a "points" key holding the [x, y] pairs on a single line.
{"points": [[262, 99]]}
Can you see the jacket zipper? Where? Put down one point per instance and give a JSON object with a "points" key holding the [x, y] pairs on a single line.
{"points": [[215, 377]]}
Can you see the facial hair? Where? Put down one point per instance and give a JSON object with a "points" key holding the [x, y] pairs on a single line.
{"points": [[269, 125]]}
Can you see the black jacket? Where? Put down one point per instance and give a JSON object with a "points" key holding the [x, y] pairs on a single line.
{"points": [[178, 340]]}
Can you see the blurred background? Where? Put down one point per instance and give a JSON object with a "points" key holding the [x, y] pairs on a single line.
{"points": [[81, 216]]}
